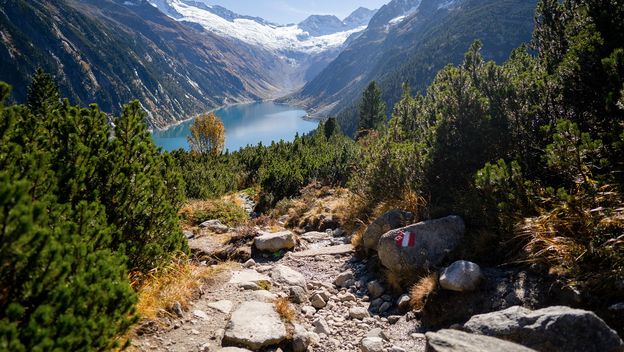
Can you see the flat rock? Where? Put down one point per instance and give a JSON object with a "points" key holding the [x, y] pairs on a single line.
{"points": [[254, 325], [461, 276], [331, 250], [264, 296], [249, 276], [215, 226], [287, 276], [459, 341], [223, 306], [273, 242], [420, 246], [553, 329], [233, 349]]}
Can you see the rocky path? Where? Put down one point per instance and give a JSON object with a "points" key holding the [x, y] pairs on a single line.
{"points": [[337, 306]]}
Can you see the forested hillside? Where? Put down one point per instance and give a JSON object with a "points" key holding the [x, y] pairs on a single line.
{"points": [[413, 50]]}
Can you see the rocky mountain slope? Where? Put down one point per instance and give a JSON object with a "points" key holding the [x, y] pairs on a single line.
{"points": [[302, 49], [112, 51], [410, 40]]}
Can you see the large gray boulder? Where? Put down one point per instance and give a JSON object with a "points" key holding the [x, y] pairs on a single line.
{"points": [[459, 341], [461, 276], [431, 242], [273, 242], [552, 329], [254, 325], [392, 219]]}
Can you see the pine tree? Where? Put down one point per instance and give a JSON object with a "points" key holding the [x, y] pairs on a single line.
{"points": [[43, 95], [142, 193], [331, 127], [372, 109]]}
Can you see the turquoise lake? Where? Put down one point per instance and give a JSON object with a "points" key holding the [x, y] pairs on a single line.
{"points": [[247, 124]]}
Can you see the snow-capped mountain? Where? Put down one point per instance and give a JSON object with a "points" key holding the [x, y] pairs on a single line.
{"points": [[315, 35]]}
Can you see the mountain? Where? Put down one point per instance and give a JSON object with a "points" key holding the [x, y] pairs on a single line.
{"points": [[113, 51], [304, 48], [411, 40]]}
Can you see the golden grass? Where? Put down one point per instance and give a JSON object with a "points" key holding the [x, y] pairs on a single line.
{"points": [[285, 309], [178, 282], [225, 210], [424, 288]]}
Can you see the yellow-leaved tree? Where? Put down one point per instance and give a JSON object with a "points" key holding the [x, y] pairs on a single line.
{"points": [[207, 134]]}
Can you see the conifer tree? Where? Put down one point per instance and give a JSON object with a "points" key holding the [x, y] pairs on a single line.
{"points": [[372, 108], [331, 127], [43, 95]]}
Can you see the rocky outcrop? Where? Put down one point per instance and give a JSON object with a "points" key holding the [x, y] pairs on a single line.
{"points": [[254, 325], [420, 246], [459, 341], [391, 220], [461, 276], [553, 329], [273, 242]]}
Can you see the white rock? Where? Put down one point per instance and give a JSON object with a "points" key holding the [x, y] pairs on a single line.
{"points": [[461, 276], [249, 276], [317, 301], [358, 313], [371, 344], [288, 276], [249, 264], [201, 314], [223, 306], [321, 326], [255, 325], [215, 226], [403, 302], [264, 296], [273, 242]]}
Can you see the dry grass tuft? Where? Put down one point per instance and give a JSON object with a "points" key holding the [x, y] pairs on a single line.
{"points": [[285, 309], [179, 282], [424, 288], [228, 212], [581, 240], [394, 280]]}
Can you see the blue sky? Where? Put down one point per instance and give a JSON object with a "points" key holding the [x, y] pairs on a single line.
{"points": [[294, 11]]}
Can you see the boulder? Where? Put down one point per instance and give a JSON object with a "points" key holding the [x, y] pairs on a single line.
{"points": [[254, 325], [553, 329], [358, 313], [375, 289], [461, 276], [214, 226], [459, 341], [344, 279], [302, 338], [298, 295], [392, 219], [420, 246], [287, 276], [273, 242], [371, 344]]}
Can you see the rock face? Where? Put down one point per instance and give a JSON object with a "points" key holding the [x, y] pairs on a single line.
{"points": [[215, 226], [459, 341], [391, 220], [556, 328], [422, 245], [254, 325], [461, 276], [273, 242], [287, 276]]}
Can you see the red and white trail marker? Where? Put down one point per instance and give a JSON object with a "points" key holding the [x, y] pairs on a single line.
{"points": [[405, 239]]}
